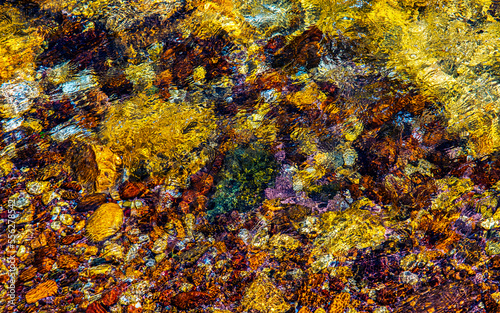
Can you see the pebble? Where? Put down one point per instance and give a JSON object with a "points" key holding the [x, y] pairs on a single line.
{"points": [[159, 245], [91, 202], [41, 291], [37, 187], [112, 251], [19, 200], [55, 225], [104, 222], [55, 211], [130, 190], [48, 196], [350, 155], [408, 277], [21, 251], [66, 219], [79, 226]]}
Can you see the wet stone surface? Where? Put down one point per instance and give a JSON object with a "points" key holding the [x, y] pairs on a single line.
{"points": [[259, 156]]}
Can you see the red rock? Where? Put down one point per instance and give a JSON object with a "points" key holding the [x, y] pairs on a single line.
{"points": [[131, 190], [190, 300], [189, 196], [70, 239], [134, 309], [166, 297], [96, 307], [111, 297], [202, 182]]}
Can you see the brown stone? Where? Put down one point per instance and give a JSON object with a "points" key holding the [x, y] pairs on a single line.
{"points": [[67, 261], [70, 239], [202, 182], [28, 274], [189, 300], [74, 186], [95, 307], [131, 190], [91, 202], [44, 265], [69, 195], [494, 262]]}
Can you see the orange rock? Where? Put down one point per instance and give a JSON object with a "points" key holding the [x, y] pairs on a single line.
{"points": [[70, 239], [44, 265], [111, 297], [95, 307], [340, 303], [28, 274], [305, 309], [40, 241], [256, 260], [130, 190], [43, 290], [67, 261], [189, 300], [134, 308]]}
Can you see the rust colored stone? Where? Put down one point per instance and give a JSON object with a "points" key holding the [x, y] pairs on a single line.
{"points": [[131, 190], [28, 274], [189, 300], [44, 265], [70, 239], [111, 297], [91, 202], [69, 195], [95, 307], [74, 186], [202, 182], [67, 261]]}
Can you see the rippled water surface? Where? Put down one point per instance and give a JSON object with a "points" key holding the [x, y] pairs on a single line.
{"points": [[264, 156]]}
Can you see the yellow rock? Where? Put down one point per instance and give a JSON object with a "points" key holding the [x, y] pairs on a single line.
{"points": [[97, 270], [281, 244], [340, 303], [6, 167], [353, 128], [36, 187], [492, 248], [113, 251], [342, 231], [104, 222], [264, 297], [79, 226], [199, 74], [108, 164], [66, 219]]}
